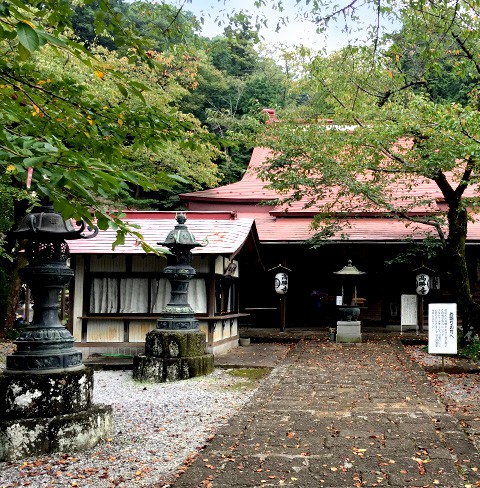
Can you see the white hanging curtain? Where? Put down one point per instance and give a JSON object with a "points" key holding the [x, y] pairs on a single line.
{"points": [[134, 295], [104, 295], [197, 295], [160, 290], [230, 301]]}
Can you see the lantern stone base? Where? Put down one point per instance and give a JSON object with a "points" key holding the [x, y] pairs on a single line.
{"points": [[31, 395], [172, 356], [62, 433], [49, 412], [349, 331]]}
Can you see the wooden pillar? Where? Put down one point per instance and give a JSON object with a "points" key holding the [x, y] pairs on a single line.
{"points": [[283, 312], [420, 313]]}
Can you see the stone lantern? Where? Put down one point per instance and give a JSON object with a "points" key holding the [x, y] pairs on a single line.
{"points": [[348, 327], [46, 390], [176, 349]]}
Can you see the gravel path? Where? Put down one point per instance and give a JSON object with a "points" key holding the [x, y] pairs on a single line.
{"points": [[461, 391], [157, 429]]}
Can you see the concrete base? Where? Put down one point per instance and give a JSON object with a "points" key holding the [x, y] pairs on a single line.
{"points": [[401, 328], [348, 332], [23, 438], [223, 346]]}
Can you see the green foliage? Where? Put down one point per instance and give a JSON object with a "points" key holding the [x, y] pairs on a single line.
{"points": [[85, 18], [227, 82], [471, 351], [427, 250], [14, 332], [394, 125], [93, 127], [160, 25]]}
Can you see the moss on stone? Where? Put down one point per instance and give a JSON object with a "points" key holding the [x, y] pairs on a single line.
{"points": [[199, 365], [172, 356], [174, 344], [148, 368], [248, 378], [23, 438]]}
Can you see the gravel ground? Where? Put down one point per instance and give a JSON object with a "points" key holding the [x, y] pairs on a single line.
{"points": [[158, 428], [460, 392]]}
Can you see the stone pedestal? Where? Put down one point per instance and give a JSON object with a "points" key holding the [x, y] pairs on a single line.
{"points": [[46, 413], [349, 331], [45, 390], [172, 356]]}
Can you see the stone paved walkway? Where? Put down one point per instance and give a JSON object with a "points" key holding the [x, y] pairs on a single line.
{"points": [[332, 415]]}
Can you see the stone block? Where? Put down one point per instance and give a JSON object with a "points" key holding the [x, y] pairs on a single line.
{"points": [[172, 356], [173, 370], [174, 344], [349, 331], [148, 368], [198, 365], [81, 430], [23, 438], [34, 395]]}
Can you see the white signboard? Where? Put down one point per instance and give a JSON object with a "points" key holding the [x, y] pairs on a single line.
{"points": [[408, 314], [339, 300], [442, 328]]}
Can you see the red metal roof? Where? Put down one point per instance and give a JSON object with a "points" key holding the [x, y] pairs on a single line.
{"points": [[362, 229], [293, 223], [221, 236], [249, 189]]}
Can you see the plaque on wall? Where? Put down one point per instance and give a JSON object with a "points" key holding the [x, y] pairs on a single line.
{"points": [[408, 312]]}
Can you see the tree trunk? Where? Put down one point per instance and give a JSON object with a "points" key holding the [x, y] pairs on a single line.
{"points": [[458, 272], [12, 269]]}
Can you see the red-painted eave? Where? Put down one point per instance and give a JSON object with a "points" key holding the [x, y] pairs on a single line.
{"points": [[356, 230], [169, 215], [221, 237]]}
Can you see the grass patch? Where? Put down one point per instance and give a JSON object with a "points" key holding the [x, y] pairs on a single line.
{"points": [[246, 378], [470, 351]]}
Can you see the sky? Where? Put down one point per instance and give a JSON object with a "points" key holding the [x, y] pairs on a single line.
{"points": [[298, 30]]}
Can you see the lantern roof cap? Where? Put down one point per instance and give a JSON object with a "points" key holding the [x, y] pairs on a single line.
{"points": [[280, 268], [45, 223], [349, 270], [180, 236], [424, 270]]}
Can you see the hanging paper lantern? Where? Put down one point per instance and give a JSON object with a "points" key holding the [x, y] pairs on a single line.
{"points": [[423, 284], [281, 283]]}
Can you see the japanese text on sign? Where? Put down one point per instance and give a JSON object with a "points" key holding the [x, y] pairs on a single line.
{"points": [[442, 328]]}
